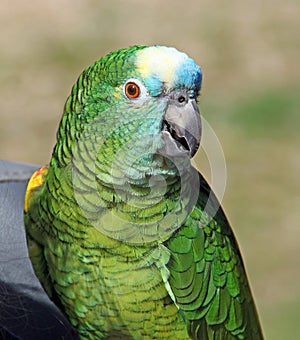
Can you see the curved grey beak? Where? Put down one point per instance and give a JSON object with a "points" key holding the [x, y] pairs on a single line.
{"points": [[181, 126]]}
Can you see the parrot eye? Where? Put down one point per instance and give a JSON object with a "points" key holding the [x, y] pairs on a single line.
{"points": [[132, 90]]}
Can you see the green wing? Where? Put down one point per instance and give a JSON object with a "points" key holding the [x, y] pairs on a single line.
{"points": [[208, 278], [33, 231]]}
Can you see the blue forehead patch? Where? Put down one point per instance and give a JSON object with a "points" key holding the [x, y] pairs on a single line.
{"points": [[165, 66]]}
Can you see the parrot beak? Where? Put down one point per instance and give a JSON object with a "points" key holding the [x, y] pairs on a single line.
{"points": [[181, 126]]}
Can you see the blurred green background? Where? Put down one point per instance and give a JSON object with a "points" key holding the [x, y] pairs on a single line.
{"points": [[249, 54]]}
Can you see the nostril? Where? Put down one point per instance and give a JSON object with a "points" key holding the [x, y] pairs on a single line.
{"points": [[181, 99]]}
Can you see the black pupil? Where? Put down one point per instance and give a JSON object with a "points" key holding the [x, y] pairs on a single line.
{"points": [[131, 90]]}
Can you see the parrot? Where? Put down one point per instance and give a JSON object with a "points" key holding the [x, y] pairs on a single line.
{"points": [[126, 237]]}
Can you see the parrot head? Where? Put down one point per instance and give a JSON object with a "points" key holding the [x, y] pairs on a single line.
{"points": [[139, 100]]}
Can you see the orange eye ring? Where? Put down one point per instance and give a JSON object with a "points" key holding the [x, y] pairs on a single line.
{"points": [[132, 90]]}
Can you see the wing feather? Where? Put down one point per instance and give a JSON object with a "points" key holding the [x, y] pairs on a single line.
{"points": [[208, 278]]}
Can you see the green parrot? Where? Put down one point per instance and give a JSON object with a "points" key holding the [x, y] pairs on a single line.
{"points": [[124, 234]]}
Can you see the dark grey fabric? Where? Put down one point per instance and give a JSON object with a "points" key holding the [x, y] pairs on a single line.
{"points": [[26, 312]]}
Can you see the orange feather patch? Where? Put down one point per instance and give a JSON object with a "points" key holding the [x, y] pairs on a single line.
{"points": [[36, 180]]}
